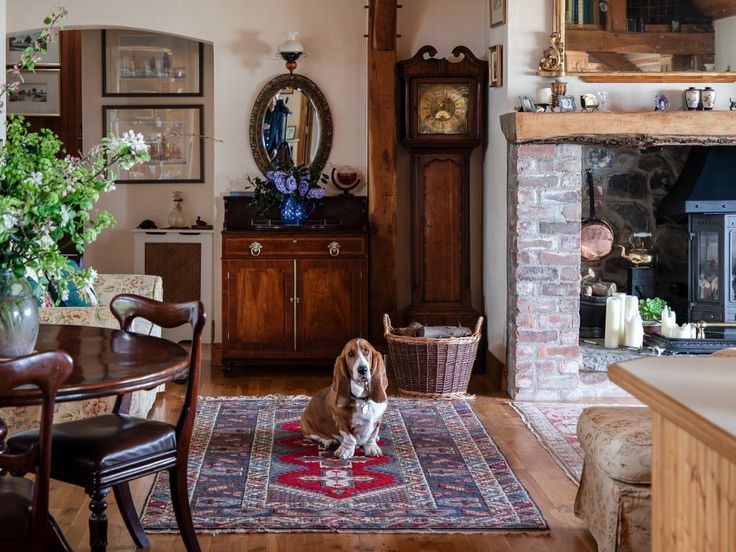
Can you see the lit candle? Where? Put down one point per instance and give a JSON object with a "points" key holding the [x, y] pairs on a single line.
{"points": [[544, 96], [612, 337]]}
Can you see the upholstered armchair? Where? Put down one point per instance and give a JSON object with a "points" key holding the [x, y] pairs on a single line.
{"points": [[106, 287]]}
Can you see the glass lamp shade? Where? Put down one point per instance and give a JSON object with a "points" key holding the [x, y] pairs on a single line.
{"points": [[291, 45]]}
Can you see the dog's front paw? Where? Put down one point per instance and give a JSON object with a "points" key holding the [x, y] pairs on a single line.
{"points": [[372, 449], [345, 451]]}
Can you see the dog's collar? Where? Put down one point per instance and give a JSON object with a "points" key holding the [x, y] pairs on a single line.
{"points": [[367, 394]]}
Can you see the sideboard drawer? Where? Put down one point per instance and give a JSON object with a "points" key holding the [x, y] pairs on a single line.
{"points": [[284, 246]]}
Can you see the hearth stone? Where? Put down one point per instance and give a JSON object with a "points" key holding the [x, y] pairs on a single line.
{"points": [[596, 358]]}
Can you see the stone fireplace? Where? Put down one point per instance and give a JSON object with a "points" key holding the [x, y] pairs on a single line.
{"points": [[545, 163]]}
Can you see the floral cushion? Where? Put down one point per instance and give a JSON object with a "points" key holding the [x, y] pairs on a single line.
{"points": [[619, 441]]}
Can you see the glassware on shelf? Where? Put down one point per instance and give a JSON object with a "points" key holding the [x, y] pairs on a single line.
{"points": [[177, 216]]}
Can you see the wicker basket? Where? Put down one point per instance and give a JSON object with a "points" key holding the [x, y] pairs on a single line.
{"points": [[432, 367]]}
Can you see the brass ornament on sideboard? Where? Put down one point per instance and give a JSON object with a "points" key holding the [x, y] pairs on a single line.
{"points": [[312, 139], [610, 42]]}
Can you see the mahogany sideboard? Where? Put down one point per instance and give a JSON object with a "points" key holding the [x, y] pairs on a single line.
{"points": [[295, 293]]}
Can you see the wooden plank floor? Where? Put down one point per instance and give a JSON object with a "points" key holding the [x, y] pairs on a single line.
{"points": [[546, 483]]}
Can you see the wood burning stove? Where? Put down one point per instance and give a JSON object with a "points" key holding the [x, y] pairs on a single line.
{"points": [[706, 193], [712, 274]]}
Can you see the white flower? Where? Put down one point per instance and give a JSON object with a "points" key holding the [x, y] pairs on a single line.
{"points": [[10, 219], [35, 178], [136, 142], [46, 242], [92, 277], [67, 214]]}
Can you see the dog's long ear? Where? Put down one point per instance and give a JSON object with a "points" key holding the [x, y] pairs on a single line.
{"points": [[341, 382], [379, 381]]}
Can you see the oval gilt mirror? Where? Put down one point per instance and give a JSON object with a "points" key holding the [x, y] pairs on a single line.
{"points": [[291, 117]]}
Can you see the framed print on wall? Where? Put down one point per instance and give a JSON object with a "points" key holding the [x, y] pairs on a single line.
{"points": [[136, 63], [173, 134], [498, 12], [495, 66], [290, 132], [17, 43], [38, 95]]}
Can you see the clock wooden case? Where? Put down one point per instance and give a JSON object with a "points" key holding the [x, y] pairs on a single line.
{"points": [[442, 120]]}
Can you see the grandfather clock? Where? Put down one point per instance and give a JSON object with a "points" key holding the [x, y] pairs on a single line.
{"points": [[442, 121]]}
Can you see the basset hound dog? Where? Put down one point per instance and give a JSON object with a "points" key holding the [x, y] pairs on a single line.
{"points": [[349, 411]]}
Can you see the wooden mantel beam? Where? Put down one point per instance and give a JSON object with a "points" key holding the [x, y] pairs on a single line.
{"points": [[382, 167]]}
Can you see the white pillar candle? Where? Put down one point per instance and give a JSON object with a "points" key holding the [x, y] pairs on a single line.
{"points": [[632, 307], [634, 331], [544, 96], [612, 337], [622, 316]]}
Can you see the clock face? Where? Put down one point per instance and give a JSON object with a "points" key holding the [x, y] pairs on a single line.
{"points": [[442, 108]]}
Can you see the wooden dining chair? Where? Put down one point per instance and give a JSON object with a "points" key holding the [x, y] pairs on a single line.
{"points": [[25, 523], [106, 452]]}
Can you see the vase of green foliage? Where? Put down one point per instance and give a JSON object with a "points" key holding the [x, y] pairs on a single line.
{"points": [[47, 204]]}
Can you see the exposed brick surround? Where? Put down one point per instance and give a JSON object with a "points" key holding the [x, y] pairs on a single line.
{"points": [[544, 212], [545, 167]]}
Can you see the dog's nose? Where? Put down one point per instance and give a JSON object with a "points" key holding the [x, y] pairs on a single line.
{"points": [[362, 370]]}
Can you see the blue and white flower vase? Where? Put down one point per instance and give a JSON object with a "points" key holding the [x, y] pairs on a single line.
{"points": [[293, 212]]}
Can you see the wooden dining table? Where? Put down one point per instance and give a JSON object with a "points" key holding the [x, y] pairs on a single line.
{"points": [[106, 362]]}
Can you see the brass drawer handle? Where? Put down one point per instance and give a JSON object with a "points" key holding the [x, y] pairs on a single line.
{"points": [[334, 248], [255, 248]]}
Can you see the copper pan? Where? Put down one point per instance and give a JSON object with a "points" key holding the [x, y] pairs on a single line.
{"points": [[596, 235]]}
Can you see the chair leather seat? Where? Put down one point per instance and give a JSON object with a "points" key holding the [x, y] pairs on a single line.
{"points": [[16, 500], [102, 442]]}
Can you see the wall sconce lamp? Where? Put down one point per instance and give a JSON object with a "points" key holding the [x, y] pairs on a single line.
{"points": [[291, 50]]}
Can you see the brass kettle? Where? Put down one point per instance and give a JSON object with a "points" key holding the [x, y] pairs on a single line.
{"points": [[641, 253]]}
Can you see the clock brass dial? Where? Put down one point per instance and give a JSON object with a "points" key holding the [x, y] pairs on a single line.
{"points": [[442, 108]]}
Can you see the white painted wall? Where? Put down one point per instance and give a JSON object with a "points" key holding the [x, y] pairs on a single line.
{"points": [[725, 50], [132, 203], [243, 37]]}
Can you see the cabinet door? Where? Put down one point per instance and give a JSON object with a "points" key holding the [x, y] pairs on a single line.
{"points": [[333, 304], [259, 313]]}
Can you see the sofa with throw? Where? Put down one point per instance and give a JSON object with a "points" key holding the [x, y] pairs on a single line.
{"points": [[106, 287]]}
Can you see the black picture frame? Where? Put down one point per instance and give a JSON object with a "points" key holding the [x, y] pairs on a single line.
{"points": [[179, 140], [111, 94]]}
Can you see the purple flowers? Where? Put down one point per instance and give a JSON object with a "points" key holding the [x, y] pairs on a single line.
{"points": [[316, 193], [284, 182]]}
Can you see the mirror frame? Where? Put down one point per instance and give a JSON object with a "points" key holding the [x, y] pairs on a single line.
{"points": [[258, 113], [552, 63]]}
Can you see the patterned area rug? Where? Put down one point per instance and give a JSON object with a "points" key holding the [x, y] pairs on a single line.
{"points": [[251, 470], [554, 425]]}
